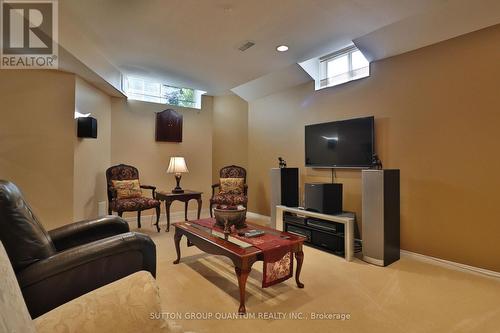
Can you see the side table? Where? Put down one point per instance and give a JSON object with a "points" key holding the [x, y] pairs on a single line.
{"points": [[170, 197]]}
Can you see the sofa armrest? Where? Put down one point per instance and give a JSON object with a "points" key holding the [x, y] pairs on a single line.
{"points": [[150, 187], [214, 186], [74, 272], [87, 231], [133, 303], [112, 190]]}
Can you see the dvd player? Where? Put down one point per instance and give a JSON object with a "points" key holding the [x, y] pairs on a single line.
{"points": [[325, 225], [294, 219]]}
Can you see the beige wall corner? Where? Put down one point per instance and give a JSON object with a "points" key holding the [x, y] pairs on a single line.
{"points": [[91, 156], [133, 142], [230, 133], [36, 140], [436, 118]]}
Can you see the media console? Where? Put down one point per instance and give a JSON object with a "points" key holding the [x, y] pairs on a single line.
{"points": [[332, 232]]}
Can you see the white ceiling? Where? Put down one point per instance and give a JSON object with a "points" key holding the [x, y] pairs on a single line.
{"points": [[194, 43], [453, 19]]}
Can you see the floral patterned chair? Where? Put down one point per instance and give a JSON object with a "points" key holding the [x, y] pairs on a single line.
{"points": [[135, 201], [232, 187]]}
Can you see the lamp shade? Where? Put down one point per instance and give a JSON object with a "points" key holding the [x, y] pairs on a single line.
{"points": [[177, 165]]}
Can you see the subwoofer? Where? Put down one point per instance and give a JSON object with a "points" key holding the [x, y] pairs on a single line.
{"points": [[323, 198]]}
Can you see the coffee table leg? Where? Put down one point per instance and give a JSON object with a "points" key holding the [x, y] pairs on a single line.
{"points": [[242, 282], [177, 241], [299, 255]]}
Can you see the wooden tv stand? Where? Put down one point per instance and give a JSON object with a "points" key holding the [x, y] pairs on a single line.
{"points": [[347, 221]]}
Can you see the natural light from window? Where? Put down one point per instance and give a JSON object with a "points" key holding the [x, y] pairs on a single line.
{"points": [[156, 92], [342, 66]]}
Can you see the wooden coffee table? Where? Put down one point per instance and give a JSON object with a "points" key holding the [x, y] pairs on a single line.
{"points": [[242, 258], [185, 196]]}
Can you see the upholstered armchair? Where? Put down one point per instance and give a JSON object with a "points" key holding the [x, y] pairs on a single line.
{"points": [[57, 266], [124, 196], [124, 306], [232, 187]]}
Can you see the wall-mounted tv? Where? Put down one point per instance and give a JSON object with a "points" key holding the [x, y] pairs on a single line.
{"points": [[340, 144]]}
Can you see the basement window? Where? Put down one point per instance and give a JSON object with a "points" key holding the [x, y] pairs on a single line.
{"points": [[342, 66], [149, 91]]}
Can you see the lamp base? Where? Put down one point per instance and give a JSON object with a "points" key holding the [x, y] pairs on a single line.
{"points": [[178, 188]]}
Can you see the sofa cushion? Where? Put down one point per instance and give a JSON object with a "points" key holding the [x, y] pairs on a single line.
{"points": [[134, 204], [232, 185], [24, 238], [126, 189], [229, 199], [14, 316], [131, 304]]}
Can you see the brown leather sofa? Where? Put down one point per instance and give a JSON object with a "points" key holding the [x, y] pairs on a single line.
{"points": [[55, 267]]}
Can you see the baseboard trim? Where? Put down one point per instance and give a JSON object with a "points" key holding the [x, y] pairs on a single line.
{"points": [[179, 215], [257, 216], [174, 216], [452, 264]]}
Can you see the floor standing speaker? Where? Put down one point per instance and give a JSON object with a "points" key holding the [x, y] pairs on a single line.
{"points": [[284, 189], [380, 226]]}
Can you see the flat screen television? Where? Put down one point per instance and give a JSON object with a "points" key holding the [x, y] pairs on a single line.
{"points": [[340, 144]]}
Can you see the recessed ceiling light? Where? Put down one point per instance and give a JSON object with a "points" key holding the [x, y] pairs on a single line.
{"points": [[282, 48]]}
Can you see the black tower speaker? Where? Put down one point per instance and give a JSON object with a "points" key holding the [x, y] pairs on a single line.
{"points": [[87, 127], [290, 187], [323, 198], [284, 189]]}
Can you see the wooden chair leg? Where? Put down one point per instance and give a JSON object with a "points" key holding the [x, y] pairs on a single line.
{"points": [[211, 214], [139, 219]]}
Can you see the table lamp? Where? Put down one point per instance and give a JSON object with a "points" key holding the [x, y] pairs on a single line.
{"points": [[177, 166]]}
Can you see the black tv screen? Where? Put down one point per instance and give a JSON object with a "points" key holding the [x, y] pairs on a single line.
{"points": [[342, 144]]}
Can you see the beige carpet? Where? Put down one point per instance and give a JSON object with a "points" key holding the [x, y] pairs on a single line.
{"points": [[407, 296]]}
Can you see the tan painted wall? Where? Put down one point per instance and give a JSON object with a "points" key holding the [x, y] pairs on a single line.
{"points": [[230, 133], [437, 117], [36, 140], [133, 142], [81, 45], [91, 156]]}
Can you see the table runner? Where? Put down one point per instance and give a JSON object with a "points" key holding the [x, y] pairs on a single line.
{"points": [[277, 253]]}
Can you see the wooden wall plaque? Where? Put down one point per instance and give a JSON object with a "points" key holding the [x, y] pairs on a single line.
{"points": [[169, 126]]}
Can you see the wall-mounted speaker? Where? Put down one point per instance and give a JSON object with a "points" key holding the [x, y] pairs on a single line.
{"points": [[87, 127]]}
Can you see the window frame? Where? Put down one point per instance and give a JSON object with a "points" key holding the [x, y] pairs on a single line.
{"points": [[325, 81], [162, 98]]}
